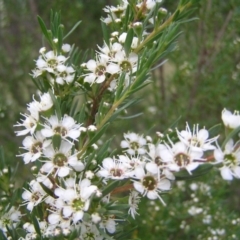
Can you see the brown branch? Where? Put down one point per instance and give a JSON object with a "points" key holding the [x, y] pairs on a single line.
{"points": [[97, 99], [123, 189]]}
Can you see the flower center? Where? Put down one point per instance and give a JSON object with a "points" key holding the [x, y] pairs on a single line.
{"points": [[36, 196], [77, 204], [89, 236], [149, 183], [100, 70], [36, 147], [182, 159], [60, 159], [158, 161], [52, 62], [116, 172], [230, 159], [63, 74], [194, 141], [126, 66], [134, 145], [60, 130]]}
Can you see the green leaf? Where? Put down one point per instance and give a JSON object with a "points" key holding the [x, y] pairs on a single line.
{"points": [[47, 190], [60, 37], [56, 141], [103, 151], [36, 225], [105, 31], [200, 171], [128, 41], [56, 104], [132, 116], [44, 28], [128, 103], [229, 136], [2, 158], [72, 30], [2, 236]]}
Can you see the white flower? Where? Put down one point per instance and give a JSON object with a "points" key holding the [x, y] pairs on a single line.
{"points": [[64, 74], [9, 219], [59, 160], [99, 68], [134, 143], [89, 174], [122, 39], [113, 169], [133, 202], [92, 128], [109, 224], [66, 127], [151, 3], [34, 195], [90, 232], [66, 47], [126, 63], [49, 61], [73, 202], [46, 102], [194, 210], [34, 144], [29, 123], [96, 218], [231, 120], [179, 156], [115, 12], [230, 159], [156, 164], [196, 139], [150, 184], [110, 51]]}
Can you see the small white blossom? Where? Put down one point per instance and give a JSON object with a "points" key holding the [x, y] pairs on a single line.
{"points": [[34, 145], [150, 184], [10, 219], [179, 156], [96, 218], [230, 159], [231, 120], [29, 123], [34, 195], [196, 139], [92, 128], [66, 127], [194, 210], [133, 202], [66, 47], [60, 160], [73, 202], [134, 143], [114, 169]]}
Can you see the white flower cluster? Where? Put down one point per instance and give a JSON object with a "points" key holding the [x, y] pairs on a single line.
{"points": [[10, 219], [111, 61], [54, 66], [229, 157], [73, 184], [151, 167]]}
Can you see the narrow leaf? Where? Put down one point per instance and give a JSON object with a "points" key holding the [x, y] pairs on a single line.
{"points": [[128, 41], [72, 30], [43, 28]]}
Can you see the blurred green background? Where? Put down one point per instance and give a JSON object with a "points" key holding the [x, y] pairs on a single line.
{"points": [[199, 79]]}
